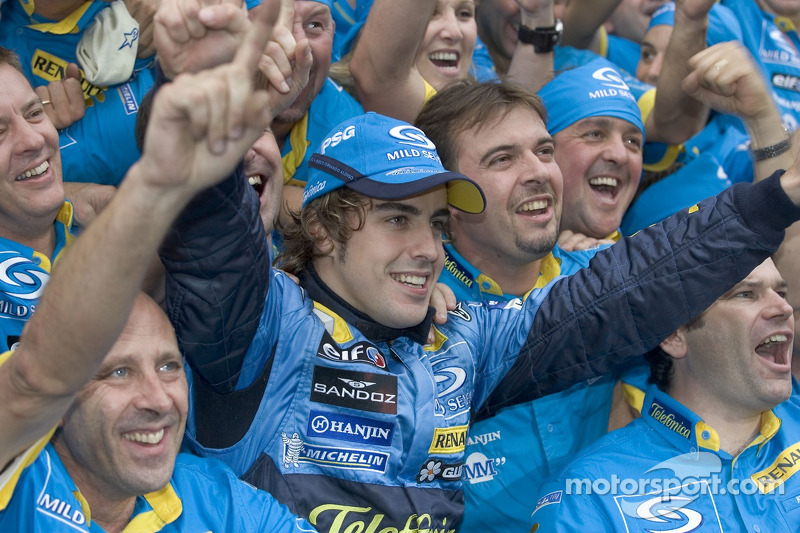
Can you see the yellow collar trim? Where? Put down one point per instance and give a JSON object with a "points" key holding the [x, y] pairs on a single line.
{"points": [[87, 511], [167, 507], [341, 330], [298, 138], [62, 27], [634, 396], [614, 236], [710, 443]]}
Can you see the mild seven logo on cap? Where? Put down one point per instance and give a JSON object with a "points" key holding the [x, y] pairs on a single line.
{"points": [[412, 136], [610, 78]]}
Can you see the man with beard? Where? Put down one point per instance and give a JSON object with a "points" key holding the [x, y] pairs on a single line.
{"points": [[496, 134]]}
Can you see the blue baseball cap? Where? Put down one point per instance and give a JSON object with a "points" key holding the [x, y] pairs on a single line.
{"points": [[592, 90], [388, 159]]}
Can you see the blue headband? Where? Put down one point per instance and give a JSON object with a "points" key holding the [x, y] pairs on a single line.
{"points": [[592, 90]]}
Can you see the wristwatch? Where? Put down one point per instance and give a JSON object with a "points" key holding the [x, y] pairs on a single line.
{"points": [[543, 39]]}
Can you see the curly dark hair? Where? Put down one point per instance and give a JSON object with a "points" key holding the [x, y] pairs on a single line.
{"points": [[336, 215]]}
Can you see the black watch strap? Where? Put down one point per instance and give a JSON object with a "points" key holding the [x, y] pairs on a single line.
{"points": [[543, 39]]}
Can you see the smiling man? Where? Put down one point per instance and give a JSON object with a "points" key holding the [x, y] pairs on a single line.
{"points": [[94, 400], [711, 447], [327, 394], [599, 135]]}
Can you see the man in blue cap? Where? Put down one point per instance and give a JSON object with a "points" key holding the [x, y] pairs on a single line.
{"points": [[328, 394]]}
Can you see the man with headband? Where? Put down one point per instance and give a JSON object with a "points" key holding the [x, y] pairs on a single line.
{"points": [[327, 394], [599, 136], [509, 252]]}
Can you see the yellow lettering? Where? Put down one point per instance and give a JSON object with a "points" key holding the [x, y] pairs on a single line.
{"points": [[785, 466]]}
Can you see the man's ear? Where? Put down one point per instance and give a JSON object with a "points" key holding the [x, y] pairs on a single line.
{"points": [[322, 240], [675, 345]]}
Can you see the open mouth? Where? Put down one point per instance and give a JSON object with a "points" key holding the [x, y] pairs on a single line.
{"points": [[417, 282], [605, 186], [257, 183], [774, 349], [145, 437], [444, 60], [34, 172]]}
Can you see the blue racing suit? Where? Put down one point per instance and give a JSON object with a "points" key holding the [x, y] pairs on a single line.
{"points": [[24, 272], [665, 472], [359, 427]]}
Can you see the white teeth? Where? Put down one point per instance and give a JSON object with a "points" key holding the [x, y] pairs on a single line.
{"points": [[611, 182], [536, 205], [774, 338], [443, 56], [410, 279], [148, 438], [39, 170], [254, 180]]}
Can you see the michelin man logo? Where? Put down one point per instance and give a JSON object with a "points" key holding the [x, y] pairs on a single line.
{"points": [[412, 136], [610, 78], [292, 448], [24, 282]]}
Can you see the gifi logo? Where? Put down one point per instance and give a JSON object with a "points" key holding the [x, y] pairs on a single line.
{"points": [[339, 136]]}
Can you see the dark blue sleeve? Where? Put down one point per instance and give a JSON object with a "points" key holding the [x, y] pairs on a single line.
{"points": [[637, 292], [217, 263]]}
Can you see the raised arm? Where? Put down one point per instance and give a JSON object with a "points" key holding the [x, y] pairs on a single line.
{"points": [[383, 62], [530, 69], [583, 19], [200, 127], [676, 115], [739, 89], [646, 286], [216, 253]]}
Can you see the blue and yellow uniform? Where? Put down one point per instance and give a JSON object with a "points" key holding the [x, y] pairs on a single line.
{"points": [[38, 494], [330, 107], [773, 41], [101, 146], [509, 455], [471, 285], [671, 475], [23, 275]]}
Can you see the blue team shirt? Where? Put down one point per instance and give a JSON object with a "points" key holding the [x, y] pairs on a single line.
{"points": [[671, 475], [100, 147], [510, 454], [203, 495], [24, 273], [330, 107]]}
